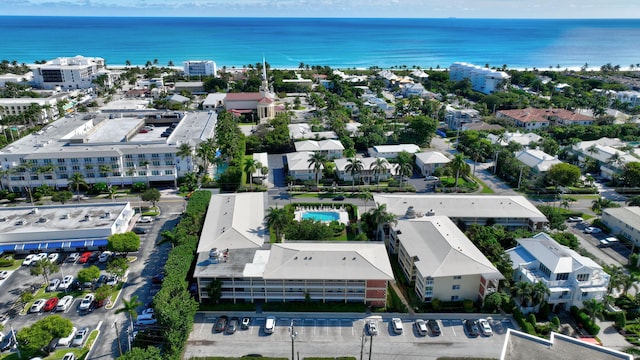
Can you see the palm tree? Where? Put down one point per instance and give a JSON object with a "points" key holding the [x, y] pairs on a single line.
{"points": [[404, 169], [250, 166], [539, 291], [75, 181], [380, 217], [354, 168], [113, 190], [599, 204], [616, 274], [278, 219], [130, 308], [206, 151], [316, 160], [593, 149], [616, 160], [366, 196], [458, 164], [628, 281], [523, 291], [185, 151], [594, 308], [378, 167]]}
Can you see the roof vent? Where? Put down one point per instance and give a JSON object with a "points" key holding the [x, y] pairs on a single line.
{"points": [[214, 253], [353, 258], [43, 220], [344, 258], [411, 213], [87, 218], [21, 222], [431, 212], [34, 211], [3, 219], [305, 258], [65, 216]]}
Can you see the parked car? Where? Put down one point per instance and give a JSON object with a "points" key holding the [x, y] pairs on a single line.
{"points": [[421, 327], [604, 243], [432, 178], [485, 328], [105, 256], [51, 304], [146, 319], [145, 219], [80, 337], [612, 240], [4, 274], [270, 325], [592, 230], [372, 327], [471, 327], [338, 198], [37, 306], [73, 257], [66, 341], [66, 282], [64, 303], [101, 280], [53, 285], [139, 230], [69, 356], [112, 281], [221, 323], [9, 341], [85, 304], [396, 323], [575, 219], [233, 325], [84, 258], [245, 323], [434, 327], [94, 256], [28, 259], [38, 258], [54, 257], [147, 311]]}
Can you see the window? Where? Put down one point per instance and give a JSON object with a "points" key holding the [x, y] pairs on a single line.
{"points": [[168, 155], [34, 177], [75, 168], [87, 160], [562, 276], [140, 156], [128, 156], [155, 163], [168, 172], [455, 287], [169, 163], [74, 161], [155, 172], [155, 156], [48, 161], [458, 277], [582, 277], [454, 298], [100, 159], [129, 164], [62, 168], [113, 158], [60, 161]]}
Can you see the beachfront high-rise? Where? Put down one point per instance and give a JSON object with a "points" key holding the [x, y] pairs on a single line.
{"points": [[77, 72], [482, 79], [199, 68]]}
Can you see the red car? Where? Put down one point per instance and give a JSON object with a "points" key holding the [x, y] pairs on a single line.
{"points": [[84, 258], [50, 304]]}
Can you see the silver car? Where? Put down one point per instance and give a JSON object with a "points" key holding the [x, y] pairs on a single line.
{"points": [[80, 337]]}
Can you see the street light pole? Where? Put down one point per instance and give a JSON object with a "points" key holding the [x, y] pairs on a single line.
{"points": [[293, 334], [520, 177]]}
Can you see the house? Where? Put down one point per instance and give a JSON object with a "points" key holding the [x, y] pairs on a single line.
{"points": [[441, 262], [537, 160], [392, 151], [525, 118], [193, 87], [482, 79], [303, 131], [367, 174], [178, 99], [298, 166], [512, 212], [456, 118], [262, 160], [570, 277], [522, 346], [213, 101], [412, 89], [481, 126], [604, 152], [623, 221], [428, 162], [388, 77], [629, 97], [331, 149], [234, 250], [523, 139]]}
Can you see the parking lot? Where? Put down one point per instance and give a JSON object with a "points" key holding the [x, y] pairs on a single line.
{"points": [[618, 253], [337, 335]]}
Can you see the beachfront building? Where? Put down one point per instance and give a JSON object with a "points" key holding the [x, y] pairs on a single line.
{"points": [[606, 153], [78, 72], [368, 174], [67, 227], [457, 118], [200, 68], [234, 250], [298, 167], [116, 148], [261, 102], [570, 277], [331, 149], [392, 151], [623, 221], [507, 137], [484, 80], [428, 162], [440, 261], [537, 160], [512, 212]]}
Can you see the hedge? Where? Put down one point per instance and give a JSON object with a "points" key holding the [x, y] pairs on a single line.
{"points": [[591, 327]]}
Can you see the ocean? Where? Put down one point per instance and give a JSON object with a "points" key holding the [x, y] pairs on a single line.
{"points": [[339, 43]]}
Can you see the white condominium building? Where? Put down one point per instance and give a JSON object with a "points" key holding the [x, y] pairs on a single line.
{"points": [[69, 73], [482, 79], [200, 67]]}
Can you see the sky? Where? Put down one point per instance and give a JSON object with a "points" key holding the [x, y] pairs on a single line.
{"points": [[329, 8]]}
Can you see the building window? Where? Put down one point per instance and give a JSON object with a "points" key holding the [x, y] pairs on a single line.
{"points": [[458, 277], [169, 163], [75, 168], [128, 156], [47, 161], [168, 172], [62, 168], [155, 163], [129, 164], [140, 156], [562, 276], [100, 159], [113, 158], [454, 298], [155, 156], [455, 287], [582, 277], [155, 172], [74, 161], [87, 160], [60, 161]]}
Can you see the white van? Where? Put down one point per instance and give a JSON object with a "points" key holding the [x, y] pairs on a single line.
{"points": [[270, 325], [146, 319], [64, 303]]}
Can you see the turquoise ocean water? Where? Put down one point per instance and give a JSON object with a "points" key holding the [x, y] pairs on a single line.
{"points": [[340, 43]]}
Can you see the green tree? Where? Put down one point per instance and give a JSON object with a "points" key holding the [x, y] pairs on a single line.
{"points": [[250, 166], [117, 266], [32, 339], [124, 243], [381, 217], [354, 168], [631, 174], [419, 130], [45, 268], [62, 196], [278, 219], [634, 201], [404, 170], [90, 274], [214, 291], [379, 166], [148, 353], [152, 195], [563, 174], [316, 160], [75, 182], [523, 291], [593, 308], [458, 165]]}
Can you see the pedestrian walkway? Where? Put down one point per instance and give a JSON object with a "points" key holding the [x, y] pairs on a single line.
{"points": [[610, 336], [398, 292]]}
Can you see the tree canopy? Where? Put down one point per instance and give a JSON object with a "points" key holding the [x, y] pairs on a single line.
{"points": [[32, 339], [124, 243]]}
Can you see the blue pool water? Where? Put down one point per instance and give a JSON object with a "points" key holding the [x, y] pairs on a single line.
{"points": [[324, 216]]}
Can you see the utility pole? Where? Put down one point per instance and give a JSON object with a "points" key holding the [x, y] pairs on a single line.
{"points": [[293, 335], [520, 177], [370, 345], [362, 338]]}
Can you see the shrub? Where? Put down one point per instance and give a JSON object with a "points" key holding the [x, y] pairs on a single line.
{"points": [[528, 328], [436, 305], [531, 318], [556, 322], [621, 320], [467, 305], [544, 312], [6, 261]]}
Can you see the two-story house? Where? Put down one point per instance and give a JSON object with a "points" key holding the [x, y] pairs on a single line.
{"points": [[331, 149]]}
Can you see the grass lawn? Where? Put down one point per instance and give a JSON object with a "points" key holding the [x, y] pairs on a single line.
{"points": [[485, 188], [16, 265]]}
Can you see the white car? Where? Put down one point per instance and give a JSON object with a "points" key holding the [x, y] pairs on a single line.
{"points": [[37, 306], [147, 311], [592, 230], [66, 282], [53, 285], [53, 257], [64, 303], [104, 257], [3, 275], [421, 327], [65, 341], [145, 219], [39, 257], [69, 356], [575, 219], [397, 325], [372, 327], [85, 304], [485, 328], [112, 280], [28, 260]]}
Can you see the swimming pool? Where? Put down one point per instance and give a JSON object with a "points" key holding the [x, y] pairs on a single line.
{"points": [[324, 216]]}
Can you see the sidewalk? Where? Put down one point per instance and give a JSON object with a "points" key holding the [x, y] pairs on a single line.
{"points": [[398, 292], [610, 336]]}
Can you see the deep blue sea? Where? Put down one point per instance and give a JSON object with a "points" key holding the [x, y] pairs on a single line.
{"points": [[339, 43]]}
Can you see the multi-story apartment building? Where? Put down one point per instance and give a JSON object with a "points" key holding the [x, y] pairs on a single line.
{"points": [[570, 277], [70, 73], [428, 162], [624, 221], [392, 151], [458, 118], [48, 109], [482, 79], [441, 261], [234, 250], [368, 173], [532, 118], [200, 68], [331, 149], [117, 149]]}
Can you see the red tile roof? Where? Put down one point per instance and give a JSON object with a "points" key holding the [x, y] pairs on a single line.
{"points": [[543, 115], [265, 100], [243, 96]]}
